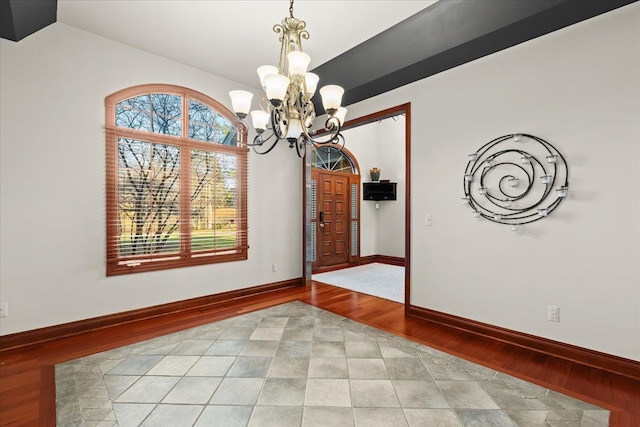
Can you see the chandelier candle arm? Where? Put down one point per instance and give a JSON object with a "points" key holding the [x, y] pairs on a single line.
{"points": [[287, 111]]}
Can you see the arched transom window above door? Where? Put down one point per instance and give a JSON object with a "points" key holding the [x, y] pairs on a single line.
{"points": [[334, 160]]}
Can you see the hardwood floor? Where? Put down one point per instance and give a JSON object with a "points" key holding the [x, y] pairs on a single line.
{"points": [[27, 394]]}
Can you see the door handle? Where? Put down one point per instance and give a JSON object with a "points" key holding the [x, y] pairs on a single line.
{"points": [[321, 225]]}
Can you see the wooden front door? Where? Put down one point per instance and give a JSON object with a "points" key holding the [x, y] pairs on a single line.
{"points": [[332, 219]]}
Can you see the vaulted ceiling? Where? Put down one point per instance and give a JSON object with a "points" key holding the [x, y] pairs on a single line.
{"points": [[368, 47]]}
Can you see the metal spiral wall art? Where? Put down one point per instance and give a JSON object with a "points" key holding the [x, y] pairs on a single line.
{"points": [[515, 179]]}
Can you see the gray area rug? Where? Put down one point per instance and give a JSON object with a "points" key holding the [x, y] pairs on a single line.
{"points": [[297, 365], [381, 280]]}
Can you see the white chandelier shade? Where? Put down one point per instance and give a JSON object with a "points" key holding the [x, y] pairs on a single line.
{"points": [[276, 86], [260, 119], [311, 81], [341, 114], [331, 97], [241, 101], [286, 110], [298, 62], [264, 71]]}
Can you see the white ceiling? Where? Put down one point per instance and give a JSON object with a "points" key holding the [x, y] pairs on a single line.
{"points": [[232, 38]]}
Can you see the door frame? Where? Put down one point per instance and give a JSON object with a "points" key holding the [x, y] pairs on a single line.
{"points": [[306, 195]]}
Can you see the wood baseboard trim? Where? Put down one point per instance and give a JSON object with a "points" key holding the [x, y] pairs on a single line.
{"points": [[369, 259], [583, 356], [40, 335], [334, 268], [382, 259]]}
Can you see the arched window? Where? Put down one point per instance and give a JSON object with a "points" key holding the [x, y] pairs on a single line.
{"points": [[176, 180], [331, 159]]}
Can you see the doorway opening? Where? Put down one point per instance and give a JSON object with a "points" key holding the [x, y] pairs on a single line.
{"points": [[333, 180]]}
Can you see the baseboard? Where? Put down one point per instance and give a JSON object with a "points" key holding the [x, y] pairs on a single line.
{"points": [[579, 355], [334, 268], [36, 336], [369, 259], [382, 259]]}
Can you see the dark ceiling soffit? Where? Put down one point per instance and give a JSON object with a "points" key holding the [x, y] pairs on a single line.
{"points": [[445, 35], [21, 18]]}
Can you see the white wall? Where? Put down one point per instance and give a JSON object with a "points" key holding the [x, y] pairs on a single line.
{"points": [[392, 159], [382, 145], [578, 88], [52, 87], [363, 145]]}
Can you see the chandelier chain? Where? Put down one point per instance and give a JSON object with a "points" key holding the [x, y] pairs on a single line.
{"points": [[291, 8]]}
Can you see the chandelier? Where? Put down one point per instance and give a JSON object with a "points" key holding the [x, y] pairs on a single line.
{"points": [[286, 110]]}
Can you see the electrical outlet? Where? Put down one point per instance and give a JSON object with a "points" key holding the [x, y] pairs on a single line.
{"points": [[553, 313], [4, 309], [274, 267]]}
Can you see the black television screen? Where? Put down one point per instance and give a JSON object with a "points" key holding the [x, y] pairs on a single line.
{"points": [[379, 191]]}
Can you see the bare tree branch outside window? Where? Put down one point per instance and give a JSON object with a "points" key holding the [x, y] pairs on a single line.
{"points": [[149, 178]]}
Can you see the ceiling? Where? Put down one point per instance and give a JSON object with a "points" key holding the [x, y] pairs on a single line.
{"points": [[368, 47], [233, 38]]}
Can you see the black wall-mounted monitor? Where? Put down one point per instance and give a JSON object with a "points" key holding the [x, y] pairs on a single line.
{"points": [[379, 190]]}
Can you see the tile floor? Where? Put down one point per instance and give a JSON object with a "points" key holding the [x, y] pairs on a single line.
{"points": [[297, 365], [380, 280]]}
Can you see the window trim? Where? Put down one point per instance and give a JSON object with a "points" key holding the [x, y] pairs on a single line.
{"points": [[185, 258]]}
